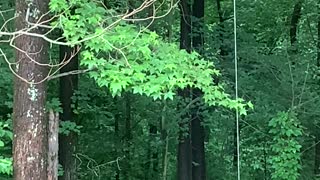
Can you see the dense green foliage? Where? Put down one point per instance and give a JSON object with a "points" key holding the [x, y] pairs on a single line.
{"points": [[125, 58], [129, 108], [285, 160]]}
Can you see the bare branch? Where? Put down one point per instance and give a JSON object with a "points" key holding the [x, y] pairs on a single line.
{"points": [[74, 72]]}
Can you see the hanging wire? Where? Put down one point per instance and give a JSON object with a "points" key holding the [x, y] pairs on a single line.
{"points": [[236, 85]]}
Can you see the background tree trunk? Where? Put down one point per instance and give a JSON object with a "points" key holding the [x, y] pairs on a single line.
{"points": [[197, 130], [117, 139], [223, 48], [68, 86], [317, 136], [184, 147], [53, 145], [152, 156], [128, 134], [30, 145], [296, 15]]}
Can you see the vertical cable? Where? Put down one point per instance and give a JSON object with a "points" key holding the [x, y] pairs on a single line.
{"points": [[236, 85]]}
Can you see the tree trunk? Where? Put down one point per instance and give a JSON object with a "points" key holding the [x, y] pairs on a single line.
{"points": [[164, 139], [185, 25], [53, 149], [198, 152], [184, 171], [184, 153], [317, 156], [295, 17], [317, 139], [197, 130], [30, 124], [116, 140], [68, 85], [318, 57], [223, 48], [152, 156], [128, 135], [235, 144]]}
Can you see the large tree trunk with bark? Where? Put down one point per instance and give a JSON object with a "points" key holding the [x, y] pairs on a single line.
{"points": [[30, 144], [68, 86]]}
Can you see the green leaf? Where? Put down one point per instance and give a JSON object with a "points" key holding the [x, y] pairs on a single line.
{"points": [[250, 105], [137, 90], [169, 95]]}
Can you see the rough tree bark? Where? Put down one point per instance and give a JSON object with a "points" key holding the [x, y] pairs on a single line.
{"points": [[30, 144], [53, 145], [68, 85], [197, 130], [184, 171]]}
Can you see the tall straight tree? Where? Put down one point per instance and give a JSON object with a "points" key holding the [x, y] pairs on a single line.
{"points": [[225, 56], [184, 147], [68, 85], [197, 130], [127, 116], [317, 139], [117, 141], [295, 17], [223, 48], [30, 123]]}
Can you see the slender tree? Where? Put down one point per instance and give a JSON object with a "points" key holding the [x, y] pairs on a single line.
{"points": [[151, 165], [128, 133], [223, 49], [224, 55], [53, 145], [152, 162], [117, 118], [184, 147], [68, 86], [30, 122], [197, 130], [295, 17], [317, 139]]}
